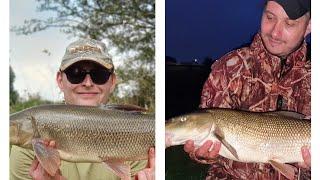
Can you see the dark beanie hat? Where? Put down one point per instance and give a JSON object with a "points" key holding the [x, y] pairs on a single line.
{"points": [[295, 8]]}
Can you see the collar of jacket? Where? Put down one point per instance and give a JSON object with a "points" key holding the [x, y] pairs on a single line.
{"points": [[296, 58]]}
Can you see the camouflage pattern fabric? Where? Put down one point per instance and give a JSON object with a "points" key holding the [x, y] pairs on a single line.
{"points": [[252, 79]]}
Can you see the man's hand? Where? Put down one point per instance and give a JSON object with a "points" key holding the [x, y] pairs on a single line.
{"points": [[37, 172], [203, 154], [148, 172], [306, 155]]}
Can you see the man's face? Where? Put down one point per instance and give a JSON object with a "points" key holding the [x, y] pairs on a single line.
{"points": [[281, 35], [86, 92]]}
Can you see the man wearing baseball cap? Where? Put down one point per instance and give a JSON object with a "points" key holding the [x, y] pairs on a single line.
{"points": [[83, 58], [86, 77], [273, 73]]}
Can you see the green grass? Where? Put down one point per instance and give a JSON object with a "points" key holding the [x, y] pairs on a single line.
{"points": [[32, 101]]}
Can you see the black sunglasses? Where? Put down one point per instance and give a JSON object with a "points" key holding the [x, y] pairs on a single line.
{"points": [[98, 75]]}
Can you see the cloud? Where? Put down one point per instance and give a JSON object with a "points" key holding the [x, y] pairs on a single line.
{"points": [[36, 78]]}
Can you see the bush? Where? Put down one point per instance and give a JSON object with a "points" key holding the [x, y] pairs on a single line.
{"points": [[32, 100]]}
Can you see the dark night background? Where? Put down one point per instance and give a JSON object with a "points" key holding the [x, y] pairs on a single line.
{"points": [[209, 28], [197, 33]]}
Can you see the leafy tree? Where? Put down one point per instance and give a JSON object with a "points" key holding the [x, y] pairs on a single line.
{"points": [[129, 25], [13, 93], [18, 104], [32, 100]]}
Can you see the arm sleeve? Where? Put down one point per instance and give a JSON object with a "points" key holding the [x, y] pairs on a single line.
{"points": [[137, 166], [20, 162], [223, 86]]}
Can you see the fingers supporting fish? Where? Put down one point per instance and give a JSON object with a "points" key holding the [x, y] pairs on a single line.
{"points": [[206, 154], [215, 149], [204, 150], [189, 146], [33, 167], [201, 161], [148, 172], [37, 172], [118, 167], [83, 134], [151, 158], [306, 155], [48, 157]]}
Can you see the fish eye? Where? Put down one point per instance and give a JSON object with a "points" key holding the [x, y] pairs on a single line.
{"points": [[183, 119]]}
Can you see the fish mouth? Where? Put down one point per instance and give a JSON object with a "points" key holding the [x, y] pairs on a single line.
{"points": [[168, 139], [14, 138]]}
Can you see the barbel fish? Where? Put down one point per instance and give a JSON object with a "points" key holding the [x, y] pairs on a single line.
{"points": [[84, 134], [271, 137]]}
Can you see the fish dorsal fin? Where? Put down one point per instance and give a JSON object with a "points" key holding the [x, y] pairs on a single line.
{"points": [[220, 136], [122, 107], [285, 169], [119, 168], [288, 114], [48, 157]]}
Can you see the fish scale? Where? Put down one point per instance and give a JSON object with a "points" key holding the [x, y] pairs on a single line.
{"points": [[256, 137], [271, 137], [91, 134]]}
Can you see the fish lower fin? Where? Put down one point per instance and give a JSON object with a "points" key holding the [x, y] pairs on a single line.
{"points": [[285, 169], [48, 157], [220, 136], [119, 168]]}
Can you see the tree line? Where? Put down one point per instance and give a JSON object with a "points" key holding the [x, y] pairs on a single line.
{"points": [[128, 25]]}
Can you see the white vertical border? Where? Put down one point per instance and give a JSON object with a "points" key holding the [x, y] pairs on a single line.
{"points": [[4, 89], [315, 91], [160, 89]]}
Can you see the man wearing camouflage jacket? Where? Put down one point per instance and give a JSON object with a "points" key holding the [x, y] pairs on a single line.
{"points": [[274, 73]]}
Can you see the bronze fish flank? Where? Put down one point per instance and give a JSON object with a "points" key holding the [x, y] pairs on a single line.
{"points": [[84, 134], [271, 137]]}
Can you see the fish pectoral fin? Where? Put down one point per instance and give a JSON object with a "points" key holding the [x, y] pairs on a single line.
{"points": [[285, 169], [119, 168], [220, 136], [48, 157]]}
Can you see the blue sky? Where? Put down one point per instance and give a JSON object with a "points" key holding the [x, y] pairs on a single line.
{"points": [[35, 70], [209, 28], [194, 30]]}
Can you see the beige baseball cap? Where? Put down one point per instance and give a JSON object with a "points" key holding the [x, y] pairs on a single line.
{"points": [[86, 49]]}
